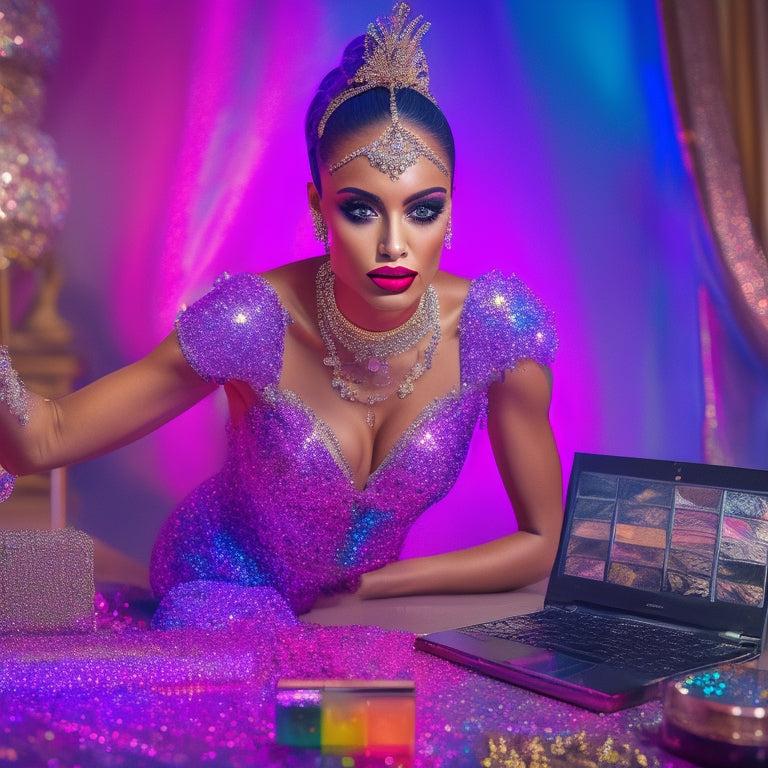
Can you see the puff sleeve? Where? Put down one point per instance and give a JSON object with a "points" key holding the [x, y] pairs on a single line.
{"points": [[502, 322], [235, 331]]}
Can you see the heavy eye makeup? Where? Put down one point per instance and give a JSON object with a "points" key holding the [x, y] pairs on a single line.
{"points": [[420, 210], [357, 211], [426, 211]]}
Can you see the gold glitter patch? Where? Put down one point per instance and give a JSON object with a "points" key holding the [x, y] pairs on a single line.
{"points": [[559, 751]]}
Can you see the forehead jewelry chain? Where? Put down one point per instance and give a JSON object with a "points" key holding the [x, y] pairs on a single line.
{"points": [[371, 350]]}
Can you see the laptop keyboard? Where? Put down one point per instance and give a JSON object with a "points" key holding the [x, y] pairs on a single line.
{"points": [[620, 642]]}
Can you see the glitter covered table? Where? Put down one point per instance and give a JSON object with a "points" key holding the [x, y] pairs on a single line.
{"points": [[126, 695]]}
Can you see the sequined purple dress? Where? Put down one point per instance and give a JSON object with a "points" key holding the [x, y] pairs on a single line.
{"points": [[284, 511]]}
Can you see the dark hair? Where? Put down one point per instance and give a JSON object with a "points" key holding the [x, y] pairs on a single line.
{"points": [[367, 108]]}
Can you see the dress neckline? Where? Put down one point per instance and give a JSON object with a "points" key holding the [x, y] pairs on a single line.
{"points": [[333, 446], [329, 437]]}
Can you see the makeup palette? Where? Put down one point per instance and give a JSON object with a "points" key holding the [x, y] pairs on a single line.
{"points": [[670, 537], [351, 717]]}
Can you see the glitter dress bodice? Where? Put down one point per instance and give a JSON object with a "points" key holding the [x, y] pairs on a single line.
{"points": [[284, 511]]}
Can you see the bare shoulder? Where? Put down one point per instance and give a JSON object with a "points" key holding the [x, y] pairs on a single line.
{"points": [[295, 275], [294, 283], [452, 291]]}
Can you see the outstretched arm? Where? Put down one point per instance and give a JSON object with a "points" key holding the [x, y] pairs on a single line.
{"points": [[107, 414], [527, 458]]}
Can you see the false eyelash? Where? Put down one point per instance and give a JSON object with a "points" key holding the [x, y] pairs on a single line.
{"points": [[435, 206], [348, 208]]}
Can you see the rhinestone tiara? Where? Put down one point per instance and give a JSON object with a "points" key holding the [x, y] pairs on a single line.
{"points": [[394, 59]]}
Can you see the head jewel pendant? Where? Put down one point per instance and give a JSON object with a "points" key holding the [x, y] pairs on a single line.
{"points": [[393, 59]]}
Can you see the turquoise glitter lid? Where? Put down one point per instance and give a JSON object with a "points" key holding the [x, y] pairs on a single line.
{"points": [[719, 716], [742, 686]]}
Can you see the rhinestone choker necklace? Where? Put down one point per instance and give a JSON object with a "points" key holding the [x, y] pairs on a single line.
{"points": [[371, 350]]}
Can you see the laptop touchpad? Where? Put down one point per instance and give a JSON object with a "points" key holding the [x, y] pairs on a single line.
{"points": [[552, 663]]}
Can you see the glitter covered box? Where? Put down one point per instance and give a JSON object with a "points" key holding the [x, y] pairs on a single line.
{"points": [[46, 581]]}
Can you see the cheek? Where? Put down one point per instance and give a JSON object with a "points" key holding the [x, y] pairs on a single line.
{"points": [[352, 237], [432, 240]]}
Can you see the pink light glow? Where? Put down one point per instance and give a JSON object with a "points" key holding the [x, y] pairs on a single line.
{"points": [[187, 159]]}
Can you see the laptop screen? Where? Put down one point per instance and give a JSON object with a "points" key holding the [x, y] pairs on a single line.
{"points": [[660, 535]]}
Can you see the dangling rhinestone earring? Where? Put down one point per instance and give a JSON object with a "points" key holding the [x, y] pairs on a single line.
{"points": [[448, 235], [321, 228]]}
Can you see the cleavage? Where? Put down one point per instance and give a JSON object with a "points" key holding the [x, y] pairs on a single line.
{"points": [[354, 447]]}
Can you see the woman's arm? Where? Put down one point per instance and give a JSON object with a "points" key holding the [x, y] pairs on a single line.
{"points": [[107, 414], [527, 458]]}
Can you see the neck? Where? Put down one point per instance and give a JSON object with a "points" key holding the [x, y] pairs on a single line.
{"points": [[364, 316], [367, 351]]}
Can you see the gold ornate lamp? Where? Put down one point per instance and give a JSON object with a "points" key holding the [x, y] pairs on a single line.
{"points": [[33, 203]]}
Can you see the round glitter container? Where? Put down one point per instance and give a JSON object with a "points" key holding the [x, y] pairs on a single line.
{"points": [[719, 717]]}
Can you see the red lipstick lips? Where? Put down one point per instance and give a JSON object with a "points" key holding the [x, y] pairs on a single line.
{"points": [[393, 279]]}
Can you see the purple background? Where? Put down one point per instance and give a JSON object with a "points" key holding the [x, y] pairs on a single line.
{"points": [[181, 123]]}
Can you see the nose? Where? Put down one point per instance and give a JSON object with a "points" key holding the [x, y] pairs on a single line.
{"points": [[392, 244]]}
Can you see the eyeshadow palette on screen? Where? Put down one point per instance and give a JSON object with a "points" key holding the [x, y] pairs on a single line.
{"points": [[670, 537]]}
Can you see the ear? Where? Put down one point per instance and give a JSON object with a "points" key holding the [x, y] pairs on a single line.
{"points": [[313, 196]]}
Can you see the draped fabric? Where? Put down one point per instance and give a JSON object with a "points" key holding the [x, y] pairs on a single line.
{"points": [[743, 35], [719, 112], [181, 123]]}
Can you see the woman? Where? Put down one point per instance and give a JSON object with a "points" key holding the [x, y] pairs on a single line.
{"points": [[354, 380]]}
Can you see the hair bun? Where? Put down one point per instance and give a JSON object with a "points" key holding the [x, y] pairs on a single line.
{"points": [[352, 59], [334, 83]]}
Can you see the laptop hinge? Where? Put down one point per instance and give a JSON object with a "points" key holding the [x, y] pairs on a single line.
{"points": [[740, 638]]}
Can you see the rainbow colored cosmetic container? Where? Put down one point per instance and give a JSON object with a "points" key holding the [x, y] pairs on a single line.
{"points": [[348, 717]]}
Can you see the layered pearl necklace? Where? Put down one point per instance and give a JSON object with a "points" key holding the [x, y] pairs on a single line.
{"points": [[371, 350]]}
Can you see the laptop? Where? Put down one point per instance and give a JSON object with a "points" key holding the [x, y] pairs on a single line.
{"points": [[660, 571]]}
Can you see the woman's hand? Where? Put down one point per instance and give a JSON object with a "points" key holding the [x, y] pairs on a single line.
{"points": [[401, 577]]}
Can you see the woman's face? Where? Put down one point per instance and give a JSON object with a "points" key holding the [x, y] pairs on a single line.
{"points": [[386, 236]]}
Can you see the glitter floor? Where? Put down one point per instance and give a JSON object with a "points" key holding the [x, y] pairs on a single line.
{"points": [[127, 695]]}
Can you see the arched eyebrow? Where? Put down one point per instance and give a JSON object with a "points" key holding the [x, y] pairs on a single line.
{"points": [[377, 200]]}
